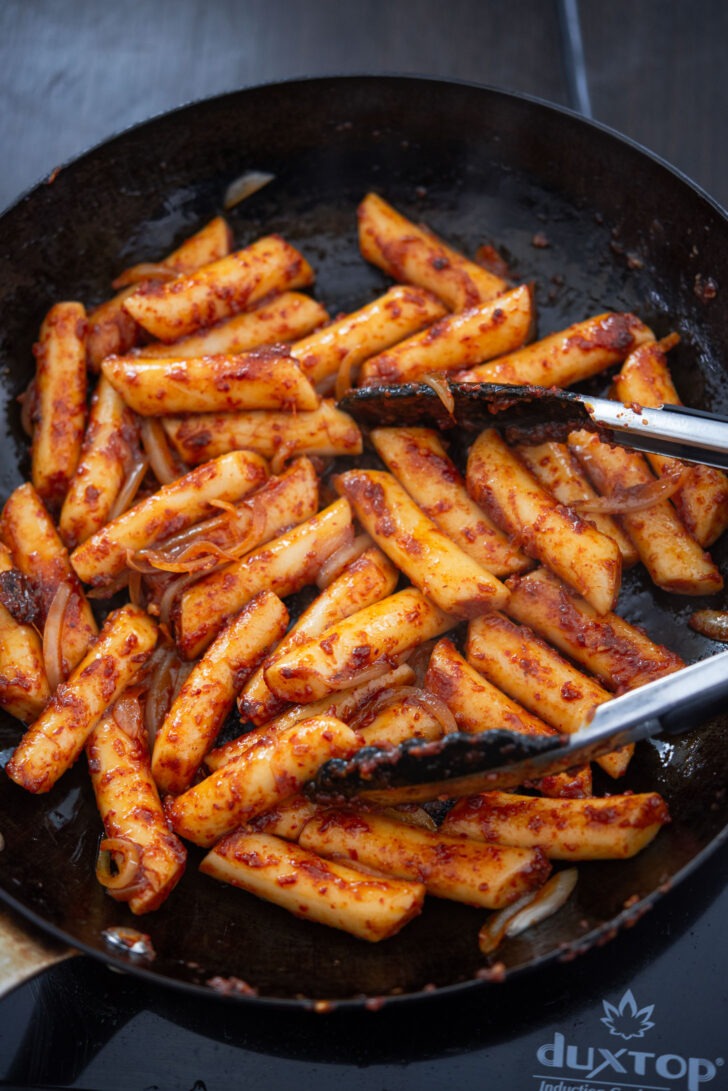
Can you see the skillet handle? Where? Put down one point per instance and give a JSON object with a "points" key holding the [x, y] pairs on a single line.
{"points": [[25, 951]]}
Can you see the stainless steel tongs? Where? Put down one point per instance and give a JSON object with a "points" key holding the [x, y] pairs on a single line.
{"points": [[532, 414], [464, 764]]}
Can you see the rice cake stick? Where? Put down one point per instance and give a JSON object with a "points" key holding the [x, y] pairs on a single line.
{"points": [[478, 705], [613, 828], [325, 431], [533, 673], [702, 498], [358, 648], [284, 565], [672, 557], [111, 331], [208, 693], [224, 287], [556, 468], [370, 907], [134, 823], [171, 509], [348, 341], [567, 357], [343, 704], [621, 655], [52, 744], [456, 341], [451, 578], [548, 531], [286, 317], [367, 579], [109, 445], [413, 255], [265, 378], [258, 779], [418, 460], [450, 867], [59, 403]]}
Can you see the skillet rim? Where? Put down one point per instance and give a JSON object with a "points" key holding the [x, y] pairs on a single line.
{"points": [[352, 77], [578, 945]]}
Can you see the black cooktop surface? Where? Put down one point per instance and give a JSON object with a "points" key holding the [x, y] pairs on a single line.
{"points": [[648, 1010]]}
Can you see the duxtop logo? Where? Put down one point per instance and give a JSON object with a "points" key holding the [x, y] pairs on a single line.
{"points": [[577, 1067], [625, 1021]]}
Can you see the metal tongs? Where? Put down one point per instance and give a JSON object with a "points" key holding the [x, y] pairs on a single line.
{"points": [[533, 414], [463, 764]]}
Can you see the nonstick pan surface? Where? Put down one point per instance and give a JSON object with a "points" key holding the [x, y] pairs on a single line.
{"points": [[596, 223]]}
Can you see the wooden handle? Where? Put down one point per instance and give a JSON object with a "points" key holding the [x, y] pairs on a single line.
{"points": [[25, 951]]}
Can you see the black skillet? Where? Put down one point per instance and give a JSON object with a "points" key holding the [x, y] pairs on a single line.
{"points": [[622, 231]]}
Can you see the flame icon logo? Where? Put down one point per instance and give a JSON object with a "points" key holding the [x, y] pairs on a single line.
{"points": [[627, 1021]]}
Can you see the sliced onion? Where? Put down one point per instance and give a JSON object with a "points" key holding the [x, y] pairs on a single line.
{"points": [[158, 699], [197, 557], [283, 454], [532, 909], [161, 460], [245, 186], [435, 706], [237, 524], [337, 561], [412, 814], [137, 563], [344, 377], [224, 505], [127, 714], [361, 677], [171, 591], [144, 270], [130, 488], [203, 555], [28, 401], [412, 695], [136, 594], [633, 498], [126, 857], [669, 341], [439, 384], [710, 623], [53, 636], [108, 590]]}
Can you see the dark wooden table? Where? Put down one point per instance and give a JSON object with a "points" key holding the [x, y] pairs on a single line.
{"points": [[72, 74]]}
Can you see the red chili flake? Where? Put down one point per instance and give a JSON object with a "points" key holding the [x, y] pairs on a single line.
{"points": [[705, 288]]}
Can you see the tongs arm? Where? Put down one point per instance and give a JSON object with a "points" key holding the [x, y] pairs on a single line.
{"points": [[463, 764], [531, 414], [688, 434]]}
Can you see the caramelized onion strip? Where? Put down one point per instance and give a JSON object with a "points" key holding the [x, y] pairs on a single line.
{"points": [[118, 867], [633, 498], [130, 488], [53, 636], [157, 450], [411, 695], [337, 561], [439, 384], [143, 270], [527, 911], [159, 694]]}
